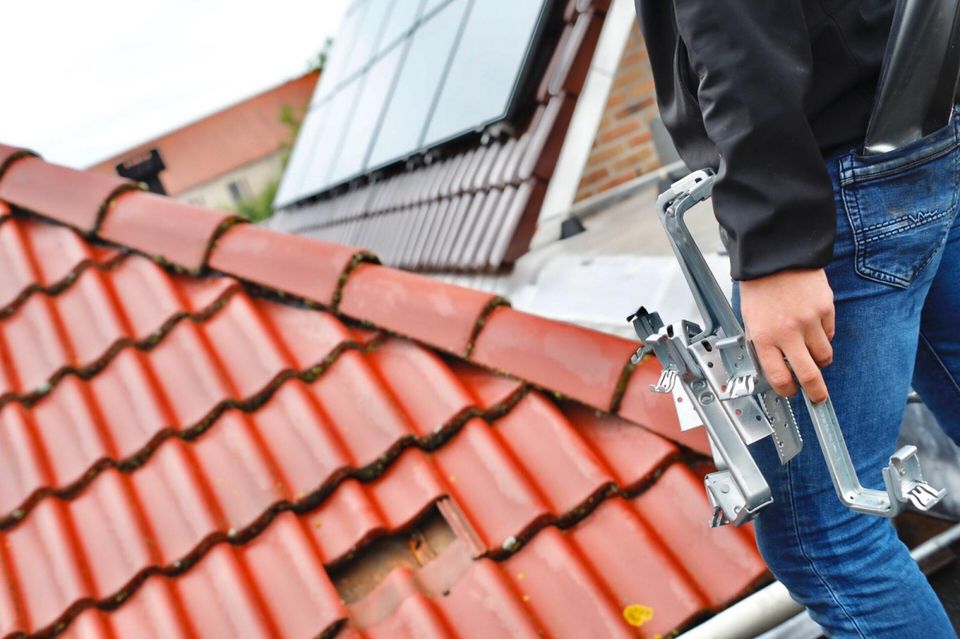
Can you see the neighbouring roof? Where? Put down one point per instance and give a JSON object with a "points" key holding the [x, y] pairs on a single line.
{"points": [[475, 205], [200, 419], [226, 140]]}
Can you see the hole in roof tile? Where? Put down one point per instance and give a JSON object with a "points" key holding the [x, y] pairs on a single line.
{"points": [[413, 548]]}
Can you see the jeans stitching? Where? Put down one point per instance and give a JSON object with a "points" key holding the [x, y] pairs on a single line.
{"points": [[860, 242], [863, 175], [882, 236], [937, 215], [809, 561], [851, 206], [939, 360]]}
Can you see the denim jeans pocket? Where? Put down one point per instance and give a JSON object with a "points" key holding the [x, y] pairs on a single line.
{"points": [[901, 205]]}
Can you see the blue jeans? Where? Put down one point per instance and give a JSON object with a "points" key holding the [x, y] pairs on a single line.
{"points": [[896, 279]]}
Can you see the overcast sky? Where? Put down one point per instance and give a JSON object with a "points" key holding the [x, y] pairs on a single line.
{"points": [[80, 81]]}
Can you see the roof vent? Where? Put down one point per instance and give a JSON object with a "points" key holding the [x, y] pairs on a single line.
{"points": [[144, 167]]}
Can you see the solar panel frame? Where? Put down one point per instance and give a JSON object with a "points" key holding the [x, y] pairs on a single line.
{"points": [[375, 163], [353, 71], [521, 77]]}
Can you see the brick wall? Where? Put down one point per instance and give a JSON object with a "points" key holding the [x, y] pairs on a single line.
{"points": [[623, 148]]}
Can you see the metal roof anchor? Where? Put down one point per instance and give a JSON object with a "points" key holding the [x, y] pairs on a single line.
{"points": [[717, 368]]}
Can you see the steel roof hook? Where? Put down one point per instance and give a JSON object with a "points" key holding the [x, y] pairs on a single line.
{"points": [[718, 369]]}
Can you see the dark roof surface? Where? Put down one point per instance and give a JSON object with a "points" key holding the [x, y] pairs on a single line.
{"points": [[200, 419], [475, 207]]}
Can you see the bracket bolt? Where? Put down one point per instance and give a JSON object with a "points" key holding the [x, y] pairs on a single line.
{"points": [[706, 398]]}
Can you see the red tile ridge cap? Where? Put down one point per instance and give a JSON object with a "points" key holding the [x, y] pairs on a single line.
{"points": [[10, 154], [566, 360]]}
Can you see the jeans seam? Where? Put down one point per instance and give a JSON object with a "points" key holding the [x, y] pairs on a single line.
{"points": [[810, 562], [940, 362], [864, 177], [859, 259], [926, 218], [850, 198]]}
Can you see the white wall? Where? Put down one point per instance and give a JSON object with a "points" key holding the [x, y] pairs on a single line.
{"points": [[254, 177]]}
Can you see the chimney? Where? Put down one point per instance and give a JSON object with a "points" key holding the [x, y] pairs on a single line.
{"points": [[144, 167]]}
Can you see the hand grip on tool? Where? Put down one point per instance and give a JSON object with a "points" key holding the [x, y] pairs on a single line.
{"points": [[719, 372]]}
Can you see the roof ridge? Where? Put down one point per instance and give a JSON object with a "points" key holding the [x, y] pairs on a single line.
{"points": [[571, 361]]}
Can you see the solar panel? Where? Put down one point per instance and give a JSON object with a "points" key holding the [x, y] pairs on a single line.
{"points": [[409, 106], [484, 71], [339, 57], [295, 175], [327, 146], [376, 88], [369, 29], [405, 13], [406, 75]]}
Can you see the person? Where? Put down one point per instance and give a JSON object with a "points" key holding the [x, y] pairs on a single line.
{"points": [[846, 267]]}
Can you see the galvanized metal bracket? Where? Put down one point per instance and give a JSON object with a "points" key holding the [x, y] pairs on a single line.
{"points": [[720, 373]]}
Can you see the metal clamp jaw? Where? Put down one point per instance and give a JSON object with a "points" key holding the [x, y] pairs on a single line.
{"points": [[721, 376]]}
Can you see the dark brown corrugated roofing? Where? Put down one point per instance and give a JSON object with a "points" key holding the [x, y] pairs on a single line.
{"points": [[475, 209]]}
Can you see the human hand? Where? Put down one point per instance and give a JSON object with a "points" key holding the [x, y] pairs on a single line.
{"points": [[790, 315]]}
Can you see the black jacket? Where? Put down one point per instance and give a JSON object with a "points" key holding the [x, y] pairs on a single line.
{"points": [[760, 90]]}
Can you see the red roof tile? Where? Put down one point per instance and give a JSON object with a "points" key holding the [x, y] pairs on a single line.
{"points": [[563, 358], [191, 453], [182, 233], [10, 154], [292, 266], [443, 315], [70, 197]]}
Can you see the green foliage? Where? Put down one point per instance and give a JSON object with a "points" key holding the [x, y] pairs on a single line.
{"points": [[292, 120], [260, 206], [317, 62]]}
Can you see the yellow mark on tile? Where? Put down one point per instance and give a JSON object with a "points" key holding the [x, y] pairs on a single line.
{"points": [[520, 576], [452, 478], [637, 615], [316, 524], [526, 597]]}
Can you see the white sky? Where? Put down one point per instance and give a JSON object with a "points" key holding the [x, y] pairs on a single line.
{"points": [[80, 81]]}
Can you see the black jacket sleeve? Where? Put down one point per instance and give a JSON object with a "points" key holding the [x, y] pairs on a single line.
{"points": [[773, 196]]}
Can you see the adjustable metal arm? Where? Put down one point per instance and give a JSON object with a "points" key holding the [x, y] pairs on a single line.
{"points": [[721, 376], [671, 207], [902, 477]]}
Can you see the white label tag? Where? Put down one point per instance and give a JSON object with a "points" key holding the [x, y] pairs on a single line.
{"points": [[685, 411]]}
